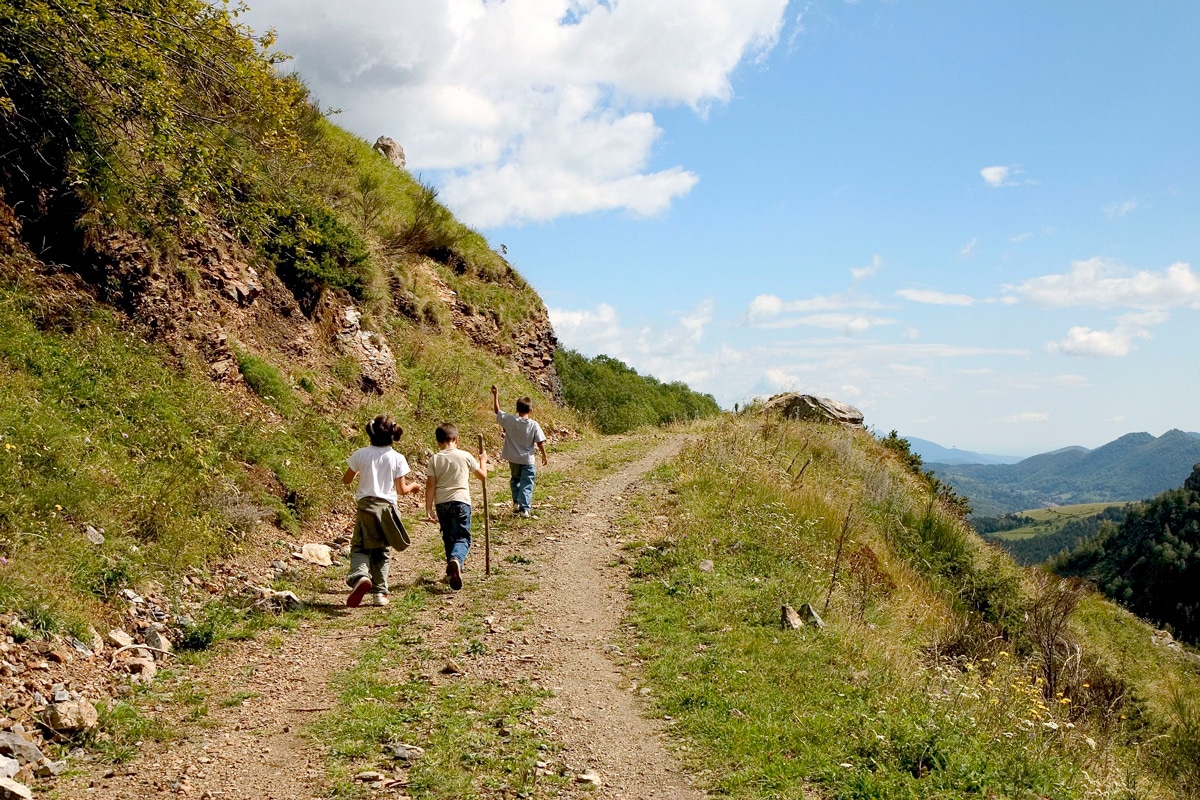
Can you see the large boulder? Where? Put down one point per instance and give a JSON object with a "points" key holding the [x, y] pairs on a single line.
{"points": [[793, 405], [391, 150]]}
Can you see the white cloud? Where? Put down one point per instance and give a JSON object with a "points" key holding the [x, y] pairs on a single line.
{"points": [[669, 354], [1117, 420], [859, 273], [847, 323], [1102, 283], [1000, 176], [1020, 237], [1028, 416], [935, 298], [1113, 210], [765, 307], [1072, 381], [1117, 343], [968, 249], [526, 109]]}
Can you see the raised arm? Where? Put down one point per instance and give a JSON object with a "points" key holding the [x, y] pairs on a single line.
{"points": [[495, 400]]}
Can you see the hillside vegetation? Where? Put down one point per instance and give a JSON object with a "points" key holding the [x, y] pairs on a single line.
{"points": [[205, 289], [1149, 562], [616, 399], [1133, 467], [943, 670], [1034, 536]]}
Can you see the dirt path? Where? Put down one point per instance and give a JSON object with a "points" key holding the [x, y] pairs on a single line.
{"points": [[263, 692]]}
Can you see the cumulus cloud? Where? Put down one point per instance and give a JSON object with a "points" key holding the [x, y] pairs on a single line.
{"points": [[1000, 176], [1028, 416], [935, 298], [527, 109], [1102, 283], [1117, 343], [672, 353]]}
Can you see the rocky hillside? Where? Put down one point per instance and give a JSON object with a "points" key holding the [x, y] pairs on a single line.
{"points": [[206, 288]]}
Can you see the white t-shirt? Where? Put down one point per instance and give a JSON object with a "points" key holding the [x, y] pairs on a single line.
{"points": [[521, 436], [377, 468], [451, 469]]}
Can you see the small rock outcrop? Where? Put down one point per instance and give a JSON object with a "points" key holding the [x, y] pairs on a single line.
{"points": [[391, 150], [793, 405], [1193, 481], [376, 363]]}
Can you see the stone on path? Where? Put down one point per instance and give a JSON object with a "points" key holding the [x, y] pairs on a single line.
{"points": [[118, 638], [11, 790], [17, 746], [158, 640], [588, 778], [319, 554], [72, 717]]}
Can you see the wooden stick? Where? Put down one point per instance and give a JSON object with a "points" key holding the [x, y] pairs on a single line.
{"points": [[487, 527]]}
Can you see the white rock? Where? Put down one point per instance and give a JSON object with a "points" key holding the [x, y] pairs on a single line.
{"points": [[8, 766], [319, 554], [118, 638], [11, 790]]}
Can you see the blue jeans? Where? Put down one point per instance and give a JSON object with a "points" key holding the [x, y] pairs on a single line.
{"points": [[454, 518], [521, 484]]}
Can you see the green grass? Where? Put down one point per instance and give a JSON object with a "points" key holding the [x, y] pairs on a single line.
{"points": [[901, 696]]}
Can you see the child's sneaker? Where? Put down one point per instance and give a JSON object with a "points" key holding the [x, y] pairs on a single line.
{"points": [[454, 574], [380, 599], [358, 592]]}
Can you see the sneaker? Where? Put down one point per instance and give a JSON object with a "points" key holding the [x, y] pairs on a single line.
{"points": [[356, 594], [380, 599], [454, 574]]}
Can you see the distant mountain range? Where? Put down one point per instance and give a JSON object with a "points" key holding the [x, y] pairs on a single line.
{"points": [[1134, 467], [934, 453]]}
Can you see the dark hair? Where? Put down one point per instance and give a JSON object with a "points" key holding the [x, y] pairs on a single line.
{"points": [[524, 405], [382, 431], [446, 432]]}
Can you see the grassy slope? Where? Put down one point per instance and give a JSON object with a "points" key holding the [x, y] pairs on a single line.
{"points": [[901, 696], [103, 425]]}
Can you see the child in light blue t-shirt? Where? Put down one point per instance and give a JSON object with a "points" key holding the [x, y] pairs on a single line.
{"points": [[523, 438]]}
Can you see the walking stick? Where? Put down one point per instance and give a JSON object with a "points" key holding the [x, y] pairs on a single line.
{"points": [[487, 527]]}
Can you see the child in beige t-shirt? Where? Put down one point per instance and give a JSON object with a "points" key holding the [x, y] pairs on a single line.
{"points": [[448, 491]]}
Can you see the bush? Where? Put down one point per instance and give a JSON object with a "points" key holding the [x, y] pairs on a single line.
{"points": [[312, 250], [267, 383], [617, 399]]}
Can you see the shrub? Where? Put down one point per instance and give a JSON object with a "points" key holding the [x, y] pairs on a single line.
{"points": [[617, 399], [267, 382], [312, 250]]}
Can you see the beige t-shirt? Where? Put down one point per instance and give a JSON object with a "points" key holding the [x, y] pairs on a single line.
{"points": [[452, 470]]}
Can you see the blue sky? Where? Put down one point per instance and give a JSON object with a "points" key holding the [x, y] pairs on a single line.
{"points": [[976, 222]]}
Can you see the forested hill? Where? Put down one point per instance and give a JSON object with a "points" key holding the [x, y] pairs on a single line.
{"points": [[1133, 467]]}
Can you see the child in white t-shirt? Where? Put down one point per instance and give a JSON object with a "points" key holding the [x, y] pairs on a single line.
{"points": [[381, 474]]}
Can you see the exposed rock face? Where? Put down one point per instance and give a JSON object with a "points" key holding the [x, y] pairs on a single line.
{"points": [[375, 359], [531, 345], [1193, 481], [793, 405], [391, 150]]}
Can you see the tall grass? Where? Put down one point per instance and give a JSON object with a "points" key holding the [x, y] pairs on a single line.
{"points": [[929, 680]]}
